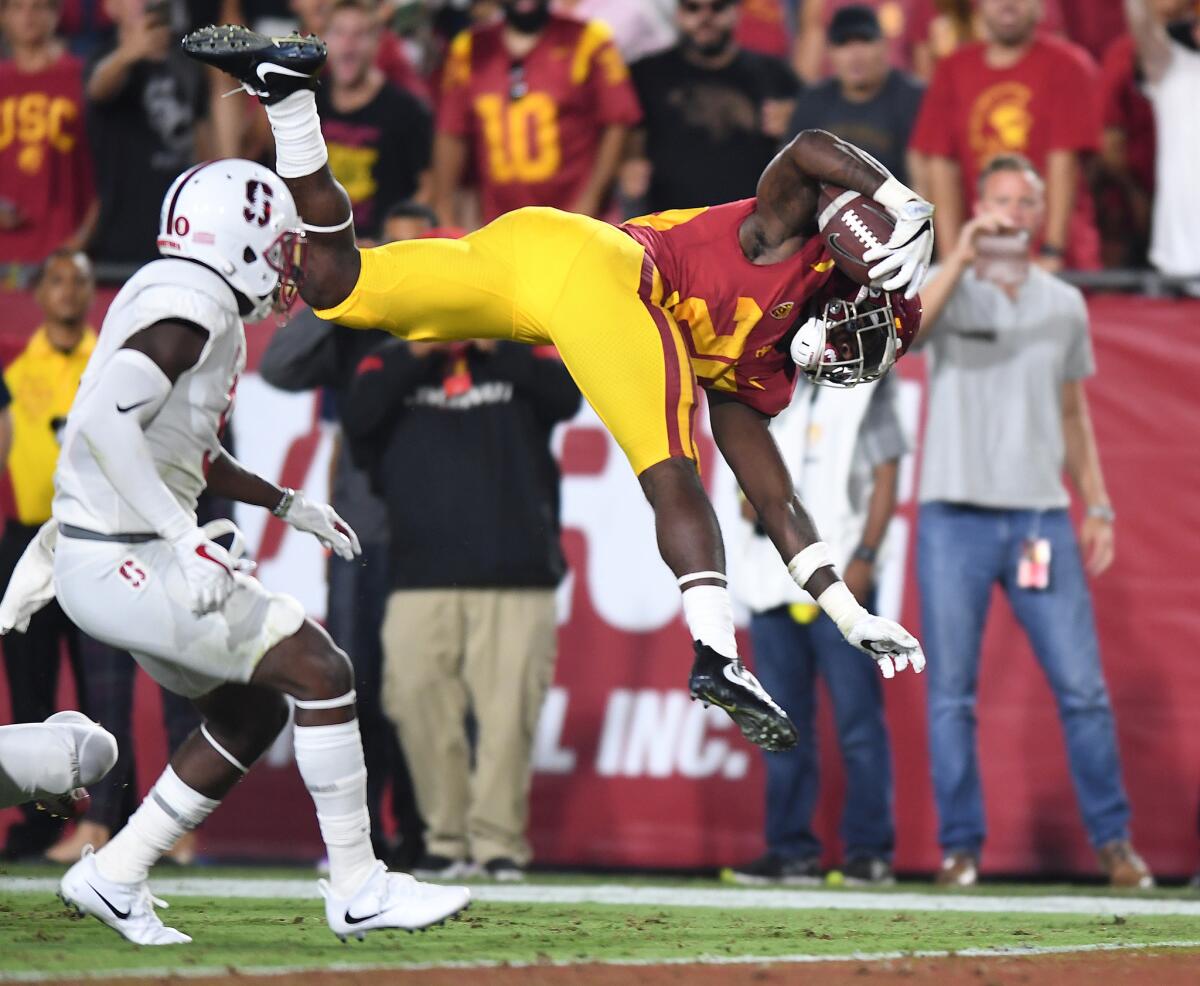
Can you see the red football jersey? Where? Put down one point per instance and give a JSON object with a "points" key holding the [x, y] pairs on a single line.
{"points": [[45, 162], [735, 314], [1048, 101], [535, 124]]}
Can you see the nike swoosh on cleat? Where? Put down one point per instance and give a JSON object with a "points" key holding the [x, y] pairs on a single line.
{"points": [[123, 915], [130, 407], [266, 68], [350, 919]]}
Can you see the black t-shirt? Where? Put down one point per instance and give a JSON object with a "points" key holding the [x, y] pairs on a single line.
{"points": [[141, 141], [704, 126], [880, 127], [377, 152]]}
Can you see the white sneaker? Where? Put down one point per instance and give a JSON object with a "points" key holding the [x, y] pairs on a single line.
{"points": [[127, 908], [391, 900]]}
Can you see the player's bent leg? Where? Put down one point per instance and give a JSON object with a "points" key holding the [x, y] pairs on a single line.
{"points": [[53, 761], [361, 894], [240, 723], [689, 540]]}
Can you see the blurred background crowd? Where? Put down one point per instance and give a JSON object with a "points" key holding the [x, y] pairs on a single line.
{"points": [[441, 115]]}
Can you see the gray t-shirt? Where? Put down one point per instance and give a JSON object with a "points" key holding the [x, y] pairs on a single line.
{"points": [[994, 437]]}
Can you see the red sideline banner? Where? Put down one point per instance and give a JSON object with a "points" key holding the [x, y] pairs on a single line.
{"points": [[630, 772]]}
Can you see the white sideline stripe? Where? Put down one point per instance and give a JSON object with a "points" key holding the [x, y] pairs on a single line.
{"points": [[195, 972], [739, 898]]}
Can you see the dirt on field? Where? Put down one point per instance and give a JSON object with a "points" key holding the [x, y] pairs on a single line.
{"points": [[1096, 969]]}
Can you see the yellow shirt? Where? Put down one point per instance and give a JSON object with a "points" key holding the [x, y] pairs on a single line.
{"points": [[43, 381]]}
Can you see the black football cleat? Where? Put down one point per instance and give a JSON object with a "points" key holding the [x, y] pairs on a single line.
{"points": [[269, 68], [725, 683]]}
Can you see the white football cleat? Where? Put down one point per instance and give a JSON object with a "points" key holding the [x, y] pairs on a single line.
{"points": [[127, 908], [391, 900]]}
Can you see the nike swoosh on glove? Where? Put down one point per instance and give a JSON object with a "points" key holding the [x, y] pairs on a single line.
{"points": [[322, 522], [907, 255], [208, 570], [31, 586], [892, 647]]}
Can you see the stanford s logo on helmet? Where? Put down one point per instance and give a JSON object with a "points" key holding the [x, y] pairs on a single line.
{"points": [[239, 219], [853, 342]]}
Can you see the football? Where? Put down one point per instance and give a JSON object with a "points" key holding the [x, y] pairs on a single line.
{"points": [[852, 224]]}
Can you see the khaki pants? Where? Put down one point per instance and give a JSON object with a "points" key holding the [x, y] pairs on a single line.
{"points": [[490, 652]]}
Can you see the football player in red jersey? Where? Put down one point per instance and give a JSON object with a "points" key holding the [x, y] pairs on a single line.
{"points": [[734, 298]]}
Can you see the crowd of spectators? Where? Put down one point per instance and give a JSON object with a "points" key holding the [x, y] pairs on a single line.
{"points": [[479, 106], [441, 115]]}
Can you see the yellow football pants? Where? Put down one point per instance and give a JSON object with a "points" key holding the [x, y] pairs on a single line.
{"points": [[542, 276]]}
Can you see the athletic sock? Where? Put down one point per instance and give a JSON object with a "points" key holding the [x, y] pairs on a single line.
{"points": [[331, 762], [170, 810], [709, 616], [299, 147]]}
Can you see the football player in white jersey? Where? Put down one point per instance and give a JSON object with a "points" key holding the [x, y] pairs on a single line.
{"points": [[130, 566]]}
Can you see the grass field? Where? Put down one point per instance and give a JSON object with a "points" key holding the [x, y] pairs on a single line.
{"points": [[248, 921]]}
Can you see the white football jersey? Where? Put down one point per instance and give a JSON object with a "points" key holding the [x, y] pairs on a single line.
{"points": [[184, 434]]}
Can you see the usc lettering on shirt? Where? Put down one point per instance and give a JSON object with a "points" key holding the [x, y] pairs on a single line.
{"points": [[733, 314], [535, 124], [45, 167], [43, 382]]}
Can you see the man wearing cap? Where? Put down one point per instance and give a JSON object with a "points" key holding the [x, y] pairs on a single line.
{"points": [[865, 101]]}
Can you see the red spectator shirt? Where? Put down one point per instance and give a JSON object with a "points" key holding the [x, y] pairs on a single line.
{"points": [[539, 147], [1127, 109], [762, 27], [734, 314], [1047, 102], [45, 164]]}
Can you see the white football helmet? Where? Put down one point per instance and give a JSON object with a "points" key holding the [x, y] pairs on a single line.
{"points": [[238, 218]]}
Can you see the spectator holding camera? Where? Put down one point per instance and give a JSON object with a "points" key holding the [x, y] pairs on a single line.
{"points": [[1169, 56], [145, 100], [47, 197], [1009, 351]]}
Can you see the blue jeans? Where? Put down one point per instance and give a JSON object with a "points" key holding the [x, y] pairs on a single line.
{"points": [[961, 553], [787, 657]]}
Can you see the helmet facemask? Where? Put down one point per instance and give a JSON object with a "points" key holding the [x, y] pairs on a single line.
{"points": [[849, 342], [288, 257]]}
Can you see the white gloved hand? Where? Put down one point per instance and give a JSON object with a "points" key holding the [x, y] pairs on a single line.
{"points": [[892, 647], [808, 344], [322, 522], [905, 258], [207, 570]]}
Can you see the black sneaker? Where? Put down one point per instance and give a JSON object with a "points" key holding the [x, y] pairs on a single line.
{"points": [[772, 868], [504, 870], [434, 867], [868, 871], [269, 68], [720, 681]]}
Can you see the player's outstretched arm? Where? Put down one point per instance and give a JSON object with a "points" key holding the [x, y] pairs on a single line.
{"points": [[742, 435], [787, 206], [230, 479]]}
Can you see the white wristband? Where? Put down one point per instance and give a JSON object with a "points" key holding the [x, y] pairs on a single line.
{"points": [[802, 567], [839, 605], [892, 194]]}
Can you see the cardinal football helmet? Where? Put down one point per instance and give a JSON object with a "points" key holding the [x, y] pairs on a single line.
{"points": [[851, 342], [239, 219]]}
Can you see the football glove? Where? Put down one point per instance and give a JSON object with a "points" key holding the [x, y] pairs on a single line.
{"points": [[905, 258], [208, 570], [322, 522]]}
